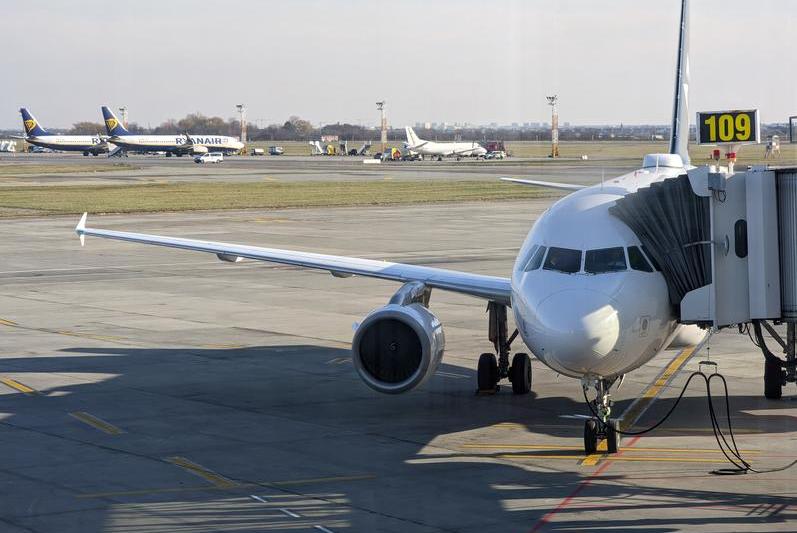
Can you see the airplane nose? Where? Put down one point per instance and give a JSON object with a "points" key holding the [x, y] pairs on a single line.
{"points": [[579, 328]]}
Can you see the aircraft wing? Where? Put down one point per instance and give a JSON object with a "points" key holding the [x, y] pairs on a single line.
{"points": [[478, 285], [548, 184]]}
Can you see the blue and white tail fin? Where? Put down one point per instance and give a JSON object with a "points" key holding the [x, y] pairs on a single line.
{"points": [[32, 128], [112, 124], [679, 131]]}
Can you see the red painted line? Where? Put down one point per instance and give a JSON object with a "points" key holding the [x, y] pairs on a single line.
{"points": [[542, 522]]}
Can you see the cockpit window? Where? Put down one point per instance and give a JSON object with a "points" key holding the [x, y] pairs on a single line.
{"points": [[637, 260], [605, 260], [536, 258], [651, 258], [563, 260]]}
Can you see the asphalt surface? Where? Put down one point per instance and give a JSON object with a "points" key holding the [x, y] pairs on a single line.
{"points": [[159, 169], [145, 389]]}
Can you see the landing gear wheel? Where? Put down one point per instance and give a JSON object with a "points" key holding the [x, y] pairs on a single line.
{"points": [[487, 372], [611, 436], [520, 374], [590, 437], [773, 381]]}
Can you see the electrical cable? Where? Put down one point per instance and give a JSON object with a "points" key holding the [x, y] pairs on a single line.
{"points": [[727, 445]]}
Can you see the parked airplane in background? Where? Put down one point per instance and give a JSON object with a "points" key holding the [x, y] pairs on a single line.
{"points": [[38, 136], [178, 145], [441, 149], [587, 298]]}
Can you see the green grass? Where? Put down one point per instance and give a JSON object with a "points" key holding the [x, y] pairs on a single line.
{"points": [[44, 200], [23, 169]]}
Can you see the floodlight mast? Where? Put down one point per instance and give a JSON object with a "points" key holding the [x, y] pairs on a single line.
{"points": [[380, 106], [242, 112], [123, 112], [552, 101]]}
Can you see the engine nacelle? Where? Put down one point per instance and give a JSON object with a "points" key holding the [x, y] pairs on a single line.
{"points": [[688, 335], [199, 149], [398, 347]]}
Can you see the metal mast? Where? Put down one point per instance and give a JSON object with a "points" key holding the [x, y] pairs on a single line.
{"points": [[242, 112], [552, 101], [383, 123], [123, 111]]}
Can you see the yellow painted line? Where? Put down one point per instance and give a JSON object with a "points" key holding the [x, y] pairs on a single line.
{"points": [[98, 423], [650, 459], [592, 459], [203, 488], [636, 409], [4, 322], [16, 385], [216, 479], [623, 449], [269, 178]]}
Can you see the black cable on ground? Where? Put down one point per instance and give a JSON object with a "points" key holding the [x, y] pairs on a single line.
{"points": [[729, 449]]}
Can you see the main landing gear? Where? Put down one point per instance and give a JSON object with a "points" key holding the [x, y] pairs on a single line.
{"points": [[493, 367], [601, 427]]}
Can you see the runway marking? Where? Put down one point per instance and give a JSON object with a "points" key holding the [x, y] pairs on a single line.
{"points": [[339, 361], [593, 458], [258, 498], [632, 414], [269, 178], [16, 385], [635, 411], [624, 449], [203, 488], [217, 479], [323, 529], [4, 322], [288, 512], [98, 423]]}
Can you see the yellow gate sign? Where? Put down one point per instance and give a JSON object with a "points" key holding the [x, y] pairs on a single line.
{"points": [[728, 127]]}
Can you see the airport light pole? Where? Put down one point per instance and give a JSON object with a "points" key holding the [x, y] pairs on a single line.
{"points": [[242, 112], [383, 138], [553, 101], [123, 112]]}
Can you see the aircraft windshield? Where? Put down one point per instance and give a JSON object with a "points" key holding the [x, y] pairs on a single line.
{"points": [[535, 260], [563, 260], [605, 260], [637, 260]]}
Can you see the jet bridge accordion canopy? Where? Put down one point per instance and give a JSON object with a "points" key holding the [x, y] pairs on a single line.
{"points": [[674, 226]]}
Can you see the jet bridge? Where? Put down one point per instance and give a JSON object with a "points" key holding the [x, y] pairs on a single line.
{"points": [[726, 244]]}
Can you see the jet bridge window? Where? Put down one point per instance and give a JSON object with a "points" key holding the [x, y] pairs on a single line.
{"points": [[637, 260], [536, 258], [563, 260], [605, 260]]}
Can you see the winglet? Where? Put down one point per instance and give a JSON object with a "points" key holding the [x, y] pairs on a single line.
{"points": [[81, 226]]}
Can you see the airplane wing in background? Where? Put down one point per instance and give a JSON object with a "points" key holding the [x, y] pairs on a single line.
{"points": [[481, 286], [547, 184]]}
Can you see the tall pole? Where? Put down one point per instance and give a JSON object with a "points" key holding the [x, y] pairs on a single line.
{"points": [[242, 112], [383, 138], [123, 111], [552, 101]]}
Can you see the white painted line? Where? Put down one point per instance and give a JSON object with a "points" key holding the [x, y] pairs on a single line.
{"points": [[258, 498], [290, 513], [322, 528]]}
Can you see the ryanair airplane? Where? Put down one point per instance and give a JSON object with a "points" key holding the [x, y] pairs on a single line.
{"points": [[38, 136], [179, 145]]}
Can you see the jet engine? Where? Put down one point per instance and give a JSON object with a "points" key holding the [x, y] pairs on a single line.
{"points": [[399, 346]]}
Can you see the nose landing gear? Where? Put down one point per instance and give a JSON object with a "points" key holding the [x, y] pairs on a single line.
{"points": [[493, 367], [601, 427]]}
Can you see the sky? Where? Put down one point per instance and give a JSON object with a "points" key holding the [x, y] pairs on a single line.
{"points": [[609, 61]]}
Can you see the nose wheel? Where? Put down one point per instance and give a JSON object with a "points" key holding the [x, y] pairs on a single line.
{"points": [[600, 427]]}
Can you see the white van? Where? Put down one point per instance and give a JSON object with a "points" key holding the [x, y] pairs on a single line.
{"points": [[210, 157]]}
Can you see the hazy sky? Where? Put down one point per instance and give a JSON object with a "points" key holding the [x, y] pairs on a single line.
{"points": [[477, 61]]}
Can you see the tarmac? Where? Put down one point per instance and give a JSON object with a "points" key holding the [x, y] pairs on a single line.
{"points": [[145, 389]]}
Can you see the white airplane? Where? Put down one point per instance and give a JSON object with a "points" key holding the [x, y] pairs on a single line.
{"points": [[441, 149], [587, 299], [178, 145], [38, 136]]}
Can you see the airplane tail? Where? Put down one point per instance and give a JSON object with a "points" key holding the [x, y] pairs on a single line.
{"points": [[112, 124], [679, 131], [32, 128], [412, 139]]}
